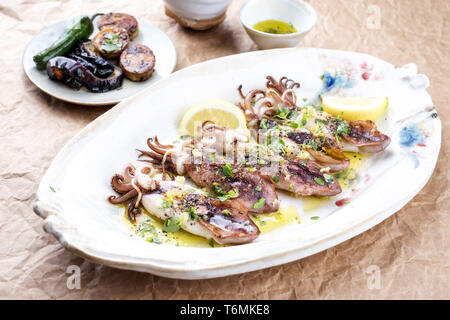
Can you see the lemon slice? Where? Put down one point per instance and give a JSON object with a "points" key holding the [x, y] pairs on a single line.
{"points": [[352, 109], [220, 112]]}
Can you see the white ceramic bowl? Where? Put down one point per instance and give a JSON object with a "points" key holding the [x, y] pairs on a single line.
{"points": [[297, 12], [197, 14]]}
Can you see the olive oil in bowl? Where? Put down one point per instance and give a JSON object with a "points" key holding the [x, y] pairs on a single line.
{"points": [[275, 27]]}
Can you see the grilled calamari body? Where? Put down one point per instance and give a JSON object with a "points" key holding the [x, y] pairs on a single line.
{"points": [[181, 206], [201, 215], [322, 135]]}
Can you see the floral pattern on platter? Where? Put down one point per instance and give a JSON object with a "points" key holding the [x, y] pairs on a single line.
{"points": [[411, 137], [346, 76], [335, 79]]}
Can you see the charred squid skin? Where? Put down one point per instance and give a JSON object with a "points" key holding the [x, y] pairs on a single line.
{"points": [[212, 219], [197, 213], [327, 153], [365, 135], [210, 176], [234, 227], [311, 181]]}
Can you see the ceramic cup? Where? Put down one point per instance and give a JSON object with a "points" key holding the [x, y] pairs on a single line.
{"points": [[197, 14]]}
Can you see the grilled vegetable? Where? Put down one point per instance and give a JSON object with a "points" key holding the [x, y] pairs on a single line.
{"points": [[120, 20], [82, 29], [75, 75], [137, 62], [84, 53], [111, 42]]}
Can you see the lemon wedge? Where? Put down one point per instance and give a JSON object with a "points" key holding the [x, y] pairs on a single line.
{"points": [[352, 109], [220, 112]]}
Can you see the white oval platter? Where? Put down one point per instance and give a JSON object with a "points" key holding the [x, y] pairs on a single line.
{"points": [[149, 35], [72, 195]]}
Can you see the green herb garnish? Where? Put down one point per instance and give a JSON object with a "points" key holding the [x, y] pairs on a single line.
{"points": [[234, 193], [167, 203], [193, 214], [171, 225], [264, 124], [259, 204], [319, 181], [227, 170], [328, 178], [303, 121], [112, 42], [282, 113], [342, 126], [226, 212]]}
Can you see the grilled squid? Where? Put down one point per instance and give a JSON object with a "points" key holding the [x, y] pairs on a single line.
{"points": [[224, 179], [299, 176], [190, 208], [224, 159], [323, 136]]}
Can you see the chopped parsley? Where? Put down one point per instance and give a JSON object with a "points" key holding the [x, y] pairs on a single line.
{"points": [[171, 225], [315, 218], [222, 195], [226, 212], [258, 188], [319, 181], [193, 214], [111, 43], [328, 178], [304, 120], [322, 121], [167, 203], [342, 126], [211, 243], [227, 170], [234, 193], [259, 204], [282, 113], [293, 114], [318, 108], [275, 179], [147, 227], [292, 124], [264, 124]]}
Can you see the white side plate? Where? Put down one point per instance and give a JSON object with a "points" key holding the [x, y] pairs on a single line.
{"points": [[78, 214], [149, 35]]}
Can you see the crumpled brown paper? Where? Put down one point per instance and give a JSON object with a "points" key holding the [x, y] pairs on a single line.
{"points": [[411, 249]]}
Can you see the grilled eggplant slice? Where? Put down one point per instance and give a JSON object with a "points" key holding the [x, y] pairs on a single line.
{"points": [[84, 52], [75, 75]]}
